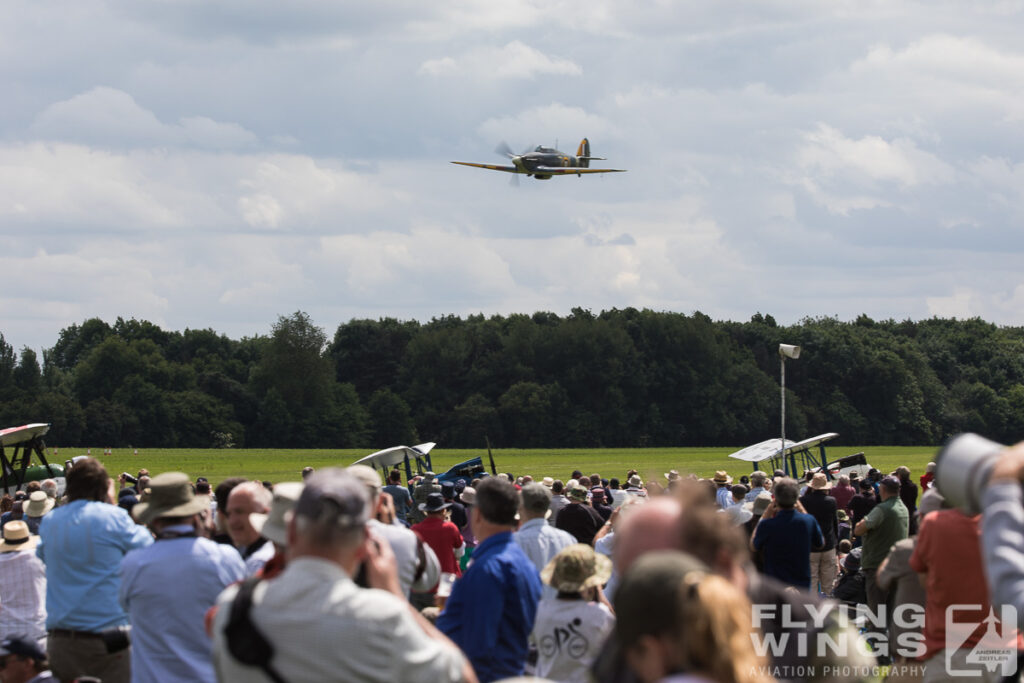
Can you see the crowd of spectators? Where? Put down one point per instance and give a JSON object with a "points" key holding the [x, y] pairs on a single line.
{"points": [[342, 576]]}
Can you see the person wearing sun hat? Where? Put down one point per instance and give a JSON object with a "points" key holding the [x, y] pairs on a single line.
{"points": [[572, 625], [38, 505], [443, 537], [578, 518], [22, 584], [723, 494], [166, 588], [819, 504]]}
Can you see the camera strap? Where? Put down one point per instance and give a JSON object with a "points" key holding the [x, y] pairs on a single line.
{"points": [[245, 641]]}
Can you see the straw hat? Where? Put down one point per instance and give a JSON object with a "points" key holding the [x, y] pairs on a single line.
{"points": [[820, 482], [170, 495], [575, 568], [273, 525], [548, 481], [469, 495], [38, 504], [17, 537], [722, 477], [759, 504], [636, 481], [672, 475]]}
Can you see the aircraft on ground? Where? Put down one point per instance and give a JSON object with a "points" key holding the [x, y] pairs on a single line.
{"points": [[544, 162]]}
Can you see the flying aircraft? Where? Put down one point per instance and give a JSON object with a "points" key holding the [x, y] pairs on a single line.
{"points": [[544, 162]]}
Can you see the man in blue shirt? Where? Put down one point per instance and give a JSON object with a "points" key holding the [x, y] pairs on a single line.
{"points": [[786, 537], [82, 545], [169, 641], [491, 610]]}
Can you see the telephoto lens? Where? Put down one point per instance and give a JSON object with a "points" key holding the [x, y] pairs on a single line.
{"points": [[962, 469], [129, 478]]}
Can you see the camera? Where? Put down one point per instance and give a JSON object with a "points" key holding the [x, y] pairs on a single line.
{"points": [[129, 478], [962, 470]]}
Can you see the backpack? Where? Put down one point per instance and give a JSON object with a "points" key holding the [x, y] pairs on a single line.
{"points": [[245, 641]]}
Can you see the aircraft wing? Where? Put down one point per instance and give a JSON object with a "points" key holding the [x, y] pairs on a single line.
{"points": [[493, 167], [570, 170]]}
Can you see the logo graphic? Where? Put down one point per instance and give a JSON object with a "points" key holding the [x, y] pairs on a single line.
{"points": [[972, 645]]}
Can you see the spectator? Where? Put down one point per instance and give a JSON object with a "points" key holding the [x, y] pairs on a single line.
{"points": [[307, 471], [443, 537], [245, 499], [578, 518], [22, 585], [597, 499], [418, 567], [82, 544], [618, 494], [49, 487], [273, 525], [169, 642], [843, 492], [457, 511], [318, 624], [822, 507], [862, 503], [558, 501], [881, 529], [908, 494], [399, 495], [928, 477], [468, 498], [948, 554], [16, 512], [491, 611], [23, 661], [786, 537], [38, 505], [573, 623], [220, 504], [757, 481], [723, 494], [539, 540], [1002, 528], [424, 488], [673, 616], [896, 577]]}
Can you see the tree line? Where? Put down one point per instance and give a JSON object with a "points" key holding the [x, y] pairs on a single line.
{"points": [[617, 378]]}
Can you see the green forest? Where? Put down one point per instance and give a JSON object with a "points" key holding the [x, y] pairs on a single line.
{"points": [[612, 379]]}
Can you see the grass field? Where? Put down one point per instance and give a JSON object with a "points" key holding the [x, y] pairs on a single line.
{"points": [[285, 465]]}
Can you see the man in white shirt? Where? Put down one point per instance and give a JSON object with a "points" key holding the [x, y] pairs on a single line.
{"points": [[317, 623], [22, 585], [538, 539], [245, 499]]}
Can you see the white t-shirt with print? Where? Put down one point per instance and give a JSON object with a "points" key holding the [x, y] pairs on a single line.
{"points": [[569, 635]]}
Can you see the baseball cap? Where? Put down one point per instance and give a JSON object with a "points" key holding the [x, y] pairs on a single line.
{"points": [[21, 646]]}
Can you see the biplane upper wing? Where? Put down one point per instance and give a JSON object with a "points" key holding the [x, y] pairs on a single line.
{"points": [[493, 167], [574, 170]]}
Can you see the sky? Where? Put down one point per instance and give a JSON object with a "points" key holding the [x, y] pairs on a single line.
{"points": [[219, 164]]}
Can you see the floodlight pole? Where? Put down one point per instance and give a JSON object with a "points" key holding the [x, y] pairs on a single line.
{"points": [[794, 353]]}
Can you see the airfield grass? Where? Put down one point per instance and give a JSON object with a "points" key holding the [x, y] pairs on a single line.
{"points": [[278, 465]]}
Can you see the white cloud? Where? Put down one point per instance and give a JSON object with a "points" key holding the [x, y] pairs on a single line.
{"points": [[514, 60], [109, 116]]}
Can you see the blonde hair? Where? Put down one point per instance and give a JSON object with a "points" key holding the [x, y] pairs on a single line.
{"points": [[713, 634]]}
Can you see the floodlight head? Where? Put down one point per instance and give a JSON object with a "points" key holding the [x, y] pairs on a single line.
{"points": [[789, 351]]}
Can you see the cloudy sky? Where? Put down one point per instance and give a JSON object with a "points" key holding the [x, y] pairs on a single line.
{"points": [[217, 164]]}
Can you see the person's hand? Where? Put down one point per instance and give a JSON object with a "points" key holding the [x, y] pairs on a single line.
{"points": [[1009, 466], [111, 493], [799, 507], [769, 511], [381, 565]]}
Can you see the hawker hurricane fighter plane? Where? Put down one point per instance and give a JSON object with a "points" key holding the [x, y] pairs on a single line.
{"points": [[544, 162]]}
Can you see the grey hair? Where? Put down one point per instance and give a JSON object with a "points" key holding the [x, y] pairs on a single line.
{"points": [[260, 495]]}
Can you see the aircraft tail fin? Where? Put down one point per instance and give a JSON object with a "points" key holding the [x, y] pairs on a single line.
{"points": [[583, 154]]}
